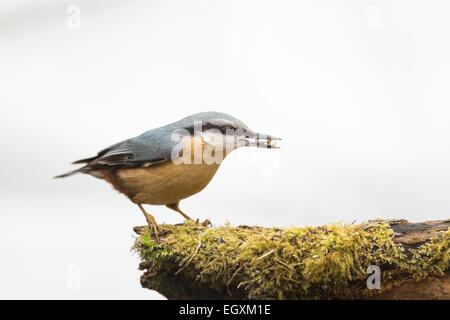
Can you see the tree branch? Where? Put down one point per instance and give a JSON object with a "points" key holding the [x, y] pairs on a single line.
{"points": [[327, 262]]}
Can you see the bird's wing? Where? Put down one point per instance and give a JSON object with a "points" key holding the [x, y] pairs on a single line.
{"points": [[130, 153]]}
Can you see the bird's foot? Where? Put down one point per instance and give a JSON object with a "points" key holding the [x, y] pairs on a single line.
{"points": [[153, 228], [152, 225], [205, 223], [154, 231]]}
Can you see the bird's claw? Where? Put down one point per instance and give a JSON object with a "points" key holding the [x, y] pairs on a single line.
{"points": [[205, 223], [154, 230]]}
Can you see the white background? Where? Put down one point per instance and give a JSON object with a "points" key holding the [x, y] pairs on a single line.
{"points": [[358, 90]]}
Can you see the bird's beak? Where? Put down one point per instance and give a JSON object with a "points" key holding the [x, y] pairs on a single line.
{"points": [[260, 140]]}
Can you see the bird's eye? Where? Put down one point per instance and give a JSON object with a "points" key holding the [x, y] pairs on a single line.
{"points": [[228, 127]]}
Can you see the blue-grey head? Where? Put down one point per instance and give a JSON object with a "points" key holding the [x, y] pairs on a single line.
{"points": [[219, 128]]}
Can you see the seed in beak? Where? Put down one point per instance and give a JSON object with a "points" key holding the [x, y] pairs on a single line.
{"points": [[268, 142]]}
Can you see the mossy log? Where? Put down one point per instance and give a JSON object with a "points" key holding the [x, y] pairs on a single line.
{"points": [[192, 261]]}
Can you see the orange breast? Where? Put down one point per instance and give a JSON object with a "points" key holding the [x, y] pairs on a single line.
{"points": [[164, 183]]}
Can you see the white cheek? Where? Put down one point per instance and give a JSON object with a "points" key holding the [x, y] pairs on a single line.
{"points": [[230, 142]]}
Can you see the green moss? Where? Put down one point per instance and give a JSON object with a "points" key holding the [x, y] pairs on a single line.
{"points": [[150, 250], [281, 263], [432, 257]]}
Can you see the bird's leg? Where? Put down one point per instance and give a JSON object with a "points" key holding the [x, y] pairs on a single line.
{"points": [[150, 221], [174, 206]]}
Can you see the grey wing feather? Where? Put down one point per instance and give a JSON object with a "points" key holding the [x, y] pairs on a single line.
{"points": [[141, 151], [150, 148]]}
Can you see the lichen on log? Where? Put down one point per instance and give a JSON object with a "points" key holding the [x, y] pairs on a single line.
{"points": [[192, 261]]}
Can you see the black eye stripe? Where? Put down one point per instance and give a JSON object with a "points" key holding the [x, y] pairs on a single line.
{"points": [[207, 126]]}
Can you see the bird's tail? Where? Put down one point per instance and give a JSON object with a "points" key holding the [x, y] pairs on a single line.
{"points": [[67, 174]]}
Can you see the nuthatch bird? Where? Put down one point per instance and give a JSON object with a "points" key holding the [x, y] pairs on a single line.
{"points": [[165, 165]]}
